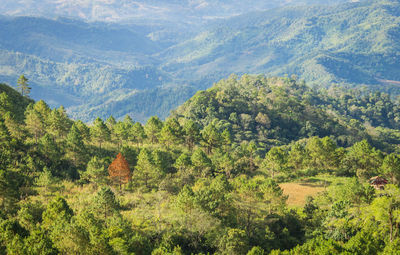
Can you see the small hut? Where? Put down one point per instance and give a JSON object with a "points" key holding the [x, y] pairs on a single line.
{"points": [[378, 182], [119, 171]]}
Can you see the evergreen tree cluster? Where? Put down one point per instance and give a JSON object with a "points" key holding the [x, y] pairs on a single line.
{"points": [[207, 179]]}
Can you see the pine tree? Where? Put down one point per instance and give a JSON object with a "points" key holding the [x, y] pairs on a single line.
{"points": [[146, 173], [201, 162], [105, 201], [22, 84], [119, 171], [83, 130], [192, 133], [99, 131], [34, 122], [171, 133], [75, 145], [96, 171], [137, 133], [58, 123], [211, 138], [153, 128]]}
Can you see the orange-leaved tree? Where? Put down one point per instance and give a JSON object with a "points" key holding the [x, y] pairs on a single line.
{"points": [[119, 171]]}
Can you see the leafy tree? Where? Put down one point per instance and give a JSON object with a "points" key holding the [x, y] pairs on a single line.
{"points": [[50, 150], [43, 109], [391, 167], [226, 138], [297, 156], [22, 84], [45, 179], [386, 210], [362, 159], [10, 184], [16, 129], [274, 161], [11, 236], [234, 242], [39, 243], [110, 122], [256, 250], [322, 153], [183, 164], [123, 130], [214, 196]]}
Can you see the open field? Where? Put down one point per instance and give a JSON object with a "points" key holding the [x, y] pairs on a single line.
{"points": [[299, 191]]}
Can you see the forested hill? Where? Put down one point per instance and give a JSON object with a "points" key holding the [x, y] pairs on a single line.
{"points": [[98, 69], [12, 102], [209, 180], [355, 43], [275, 111]]}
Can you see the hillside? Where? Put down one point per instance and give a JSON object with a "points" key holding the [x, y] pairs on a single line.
{"points": [[190, 185], [93, 67], [277, 111], [353, 43], [12, 101]]}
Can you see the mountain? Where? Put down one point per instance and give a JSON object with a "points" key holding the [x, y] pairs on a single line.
{"points": [[188, 11], [353, 43], [71, 62], [97, 68]]}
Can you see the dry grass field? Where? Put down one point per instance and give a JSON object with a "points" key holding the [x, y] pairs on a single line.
{"points": [[299, 191]]}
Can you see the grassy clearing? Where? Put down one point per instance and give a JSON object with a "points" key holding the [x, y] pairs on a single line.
{"points": [[298, 192], [300, 189]]}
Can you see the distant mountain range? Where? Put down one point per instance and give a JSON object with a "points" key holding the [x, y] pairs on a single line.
{"points": [[147, 57], [143, 11]]}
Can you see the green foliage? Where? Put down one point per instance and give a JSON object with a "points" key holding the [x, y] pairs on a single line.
{"points": [[153, 128], [75, 145], [148, 172], [96, 171], [105, 202], [22, 84], [200, 181], [233, 242], [99, 131]]}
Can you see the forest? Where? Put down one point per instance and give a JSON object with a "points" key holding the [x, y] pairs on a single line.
{"points": [[209, 178], [153, 64]]}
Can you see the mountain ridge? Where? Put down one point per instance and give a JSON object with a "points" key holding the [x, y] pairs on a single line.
{"points": [[349, 44]]}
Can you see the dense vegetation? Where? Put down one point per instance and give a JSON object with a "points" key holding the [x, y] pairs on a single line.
{"points": [[203, 181], [90, 67], [353, 43], [276, 111]]}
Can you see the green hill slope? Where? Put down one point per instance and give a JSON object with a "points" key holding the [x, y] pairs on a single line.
{"points": [[355, 43], [276, 111], [95, 69]]}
